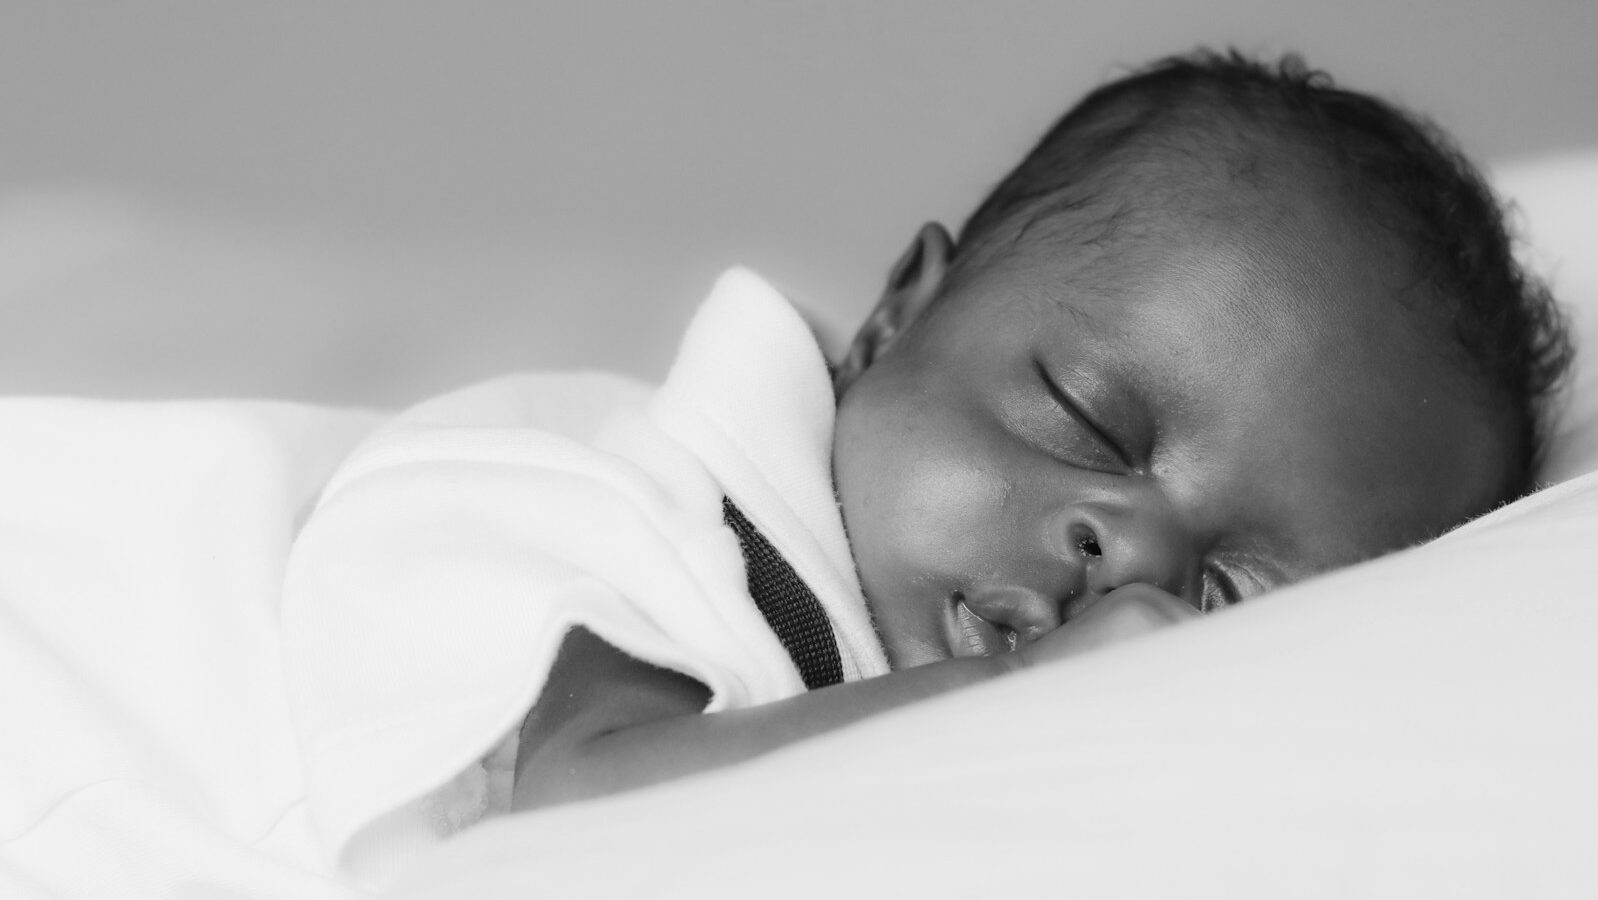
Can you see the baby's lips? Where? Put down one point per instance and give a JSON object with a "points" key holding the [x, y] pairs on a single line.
{"points": [[972, 635], [1026, 612]]}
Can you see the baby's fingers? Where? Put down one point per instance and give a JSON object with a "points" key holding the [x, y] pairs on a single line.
{"points": [[1122, 614]]}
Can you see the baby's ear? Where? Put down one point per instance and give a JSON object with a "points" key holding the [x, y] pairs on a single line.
{"points": [[913, 283]]}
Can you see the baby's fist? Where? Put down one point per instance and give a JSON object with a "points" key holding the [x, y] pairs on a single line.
{"points": [[1123, 613]]}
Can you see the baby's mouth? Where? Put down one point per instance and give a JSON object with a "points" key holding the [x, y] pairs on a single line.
{"points": [[971, 635]]}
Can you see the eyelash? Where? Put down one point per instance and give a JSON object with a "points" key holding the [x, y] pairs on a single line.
{"points": [[1116, 453]]}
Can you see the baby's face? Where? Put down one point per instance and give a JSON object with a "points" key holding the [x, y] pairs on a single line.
{"points": [[1219, 411]]}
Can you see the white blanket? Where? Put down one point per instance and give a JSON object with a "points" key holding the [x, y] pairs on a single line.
{"points": [[430, 591], [147, 749], [200, 709]]}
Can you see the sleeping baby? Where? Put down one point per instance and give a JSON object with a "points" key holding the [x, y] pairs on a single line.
{"points": [[1226, 327]]}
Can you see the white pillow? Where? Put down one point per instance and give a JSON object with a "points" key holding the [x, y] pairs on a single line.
{"points": [[1421, 725], [1557, 201]]}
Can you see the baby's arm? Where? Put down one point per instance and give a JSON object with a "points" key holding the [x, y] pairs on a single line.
{"points": [[607, 722]]}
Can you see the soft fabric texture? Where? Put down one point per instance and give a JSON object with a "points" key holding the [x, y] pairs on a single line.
{"points": [[429, 592], [1423, 725], [148, 750], [1555, 203], [202, 710]]}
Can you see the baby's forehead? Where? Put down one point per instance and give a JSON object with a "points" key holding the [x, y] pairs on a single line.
{"points": [[1254, 185], [1292, 253], [1253, 219], [1273, 278]]}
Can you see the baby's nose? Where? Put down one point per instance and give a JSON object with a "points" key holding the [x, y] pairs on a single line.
{"points": [[1118, 547]]}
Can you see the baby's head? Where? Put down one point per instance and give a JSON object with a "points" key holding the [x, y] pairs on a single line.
{"points": [[1224, 328]]}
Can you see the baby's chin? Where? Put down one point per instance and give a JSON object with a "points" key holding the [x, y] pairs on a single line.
{"points": [[907, 648], [910, 654]]}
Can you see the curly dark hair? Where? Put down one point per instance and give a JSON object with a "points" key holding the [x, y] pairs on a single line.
{"points": [[1399, 170]]}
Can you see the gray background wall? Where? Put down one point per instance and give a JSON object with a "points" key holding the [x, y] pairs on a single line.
{"points": [[369, 201]]}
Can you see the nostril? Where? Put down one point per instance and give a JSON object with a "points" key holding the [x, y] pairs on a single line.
{"points": [[1087, 543]]}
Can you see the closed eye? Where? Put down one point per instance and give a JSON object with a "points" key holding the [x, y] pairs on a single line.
{"points": [[1101, 437]]}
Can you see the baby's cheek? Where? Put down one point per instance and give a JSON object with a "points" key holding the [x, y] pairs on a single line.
{"points": [[951, 509]]}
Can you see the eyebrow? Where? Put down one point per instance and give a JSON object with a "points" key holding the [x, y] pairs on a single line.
{"points": [[1077, 409]]}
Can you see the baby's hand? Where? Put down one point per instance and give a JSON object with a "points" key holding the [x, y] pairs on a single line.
{"points": [[1123, 613]]}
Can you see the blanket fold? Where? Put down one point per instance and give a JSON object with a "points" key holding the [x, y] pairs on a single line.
{"points": [[141, 555], [429, 592], [272, 650]]}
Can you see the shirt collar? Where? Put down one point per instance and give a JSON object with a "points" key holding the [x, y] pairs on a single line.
{"points": [[750, 395]]}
